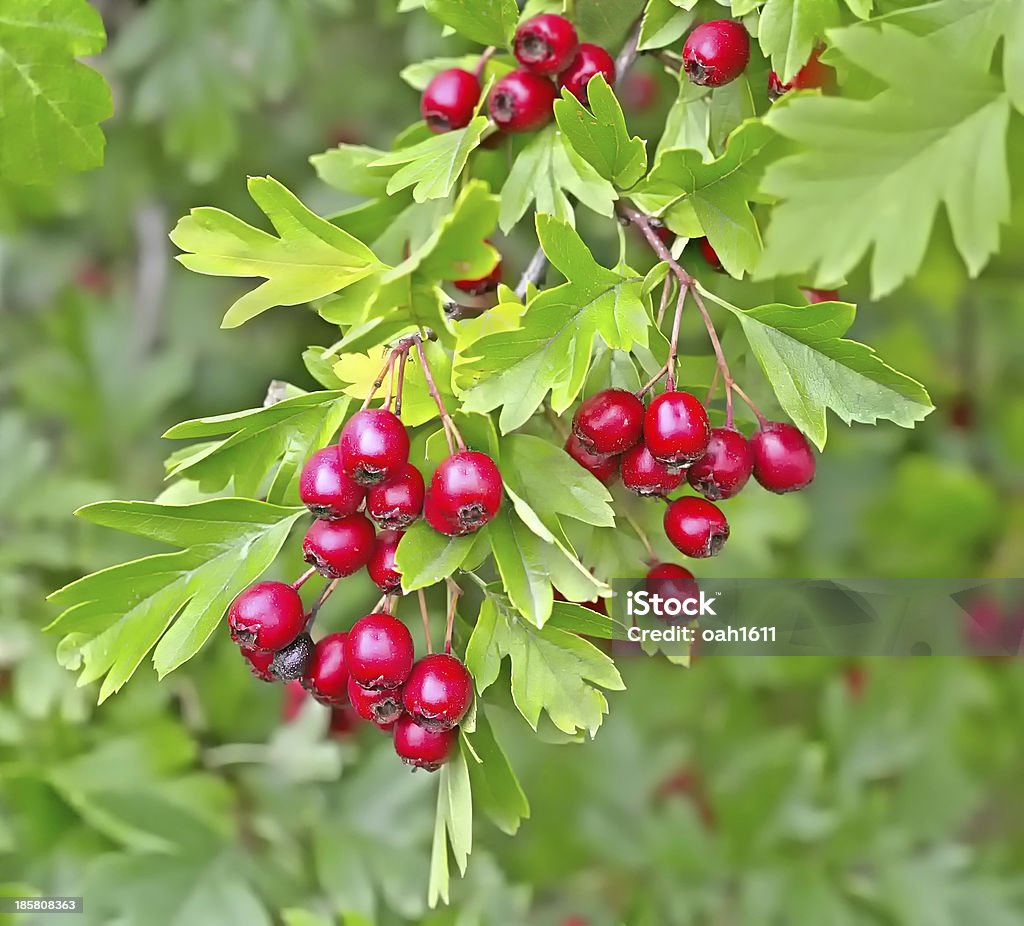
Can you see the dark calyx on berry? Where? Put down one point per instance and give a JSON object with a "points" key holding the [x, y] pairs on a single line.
{"points": [[604, 467], [258, 662], [450, 99], [374, 445], [292, 661], [590, 61], [643, 474], [725, 467], [696, 527], [266, 616], [812, 76], [716, 52], [381, 706], [396, 503], [339, 548], [610, 421], [522, 102], [422, 748], [465, 493], [438, 692], [325, 489], [545, 44]]}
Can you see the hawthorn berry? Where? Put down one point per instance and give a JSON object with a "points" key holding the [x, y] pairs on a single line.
{"points": [[710, 256], [814, 296], [465, 493], [522, 102], [590, 60], [378, 705], [339, 548], [725, 467], [438, 692], [602, 466], [610, 421], [642, 474], [292, 661], [258, 662], [696, 527], [266, 616], [326, 678], [783, 459], [450, 99], [671, 581], [639, 91], [716, 52], [374, 445], [485, 284], [325, 489], [813, 75], [381, 567], [396, 503], [545, 44], [379, 651], [676, 428], [343, 721], [422, 748]]}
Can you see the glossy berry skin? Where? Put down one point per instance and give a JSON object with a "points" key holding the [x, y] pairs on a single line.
{"points": [[725, 467], [422, 748], [813, 75], [710, 256], [696, 527], [266, 616], [522, 102], [465, 493], [449, 100], [604, 467], [379, 651], [545, 44], [642, 474], [326, 677], [670, 580], [381, 706], [325, 489], [291, 662], [716, 52], [482, 285], [395, 504], [610, 421], [438, 692], [783, 459], [259, 664], [381, 567], [676, 428], [374, 446], [339, 548], [589, 61]]}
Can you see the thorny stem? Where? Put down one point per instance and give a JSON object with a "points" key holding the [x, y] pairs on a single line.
{"points": [[454, 592], [446, 420], [426, 619], [301, 580]]}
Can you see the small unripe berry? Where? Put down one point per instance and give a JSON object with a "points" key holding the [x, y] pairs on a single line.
{"points": [[381, 706], [327, 675], [381, 567], [602, 466], [696, 527], [291, 662], [710, 255], [395, 504], [450, 99], [325, 489], [783, 459], [610, 421], [374, 446], [422, 748], [339, 548], [590, 60], [716, 52], [725, 467], [438, 692], [545, 44], [671, 581], [258, 662], [379, 651], [642, 474], [465, 493], [522, 102], [266, 616], [676, 428]]}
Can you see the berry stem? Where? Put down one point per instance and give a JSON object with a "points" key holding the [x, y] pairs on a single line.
{"points": [[761, 420], [454, 592], [380, 603], [666, 291], [379, 381], [400, 386], [446, 420], [533, 273], [426, 619], [319, 603], [301, 580], [723, 364], [481, 63], [556, 423], [714, 384], [641, 536], [649, 385], [673, 344]]}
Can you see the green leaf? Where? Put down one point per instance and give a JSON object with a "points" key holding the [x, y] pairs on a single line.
{"points": [[552, 670], [453, 825], [433, 166], [276, 439], [420, 74], [172, 601], [426, 556], [50, 105], [663, 23], [311, 259], [489, 22], [551, 350], [575, 618], [519, 555], [496, 788], [812, 368], [872, 174], [789, 30], [347, 168], [688, 123], [599, 134]]}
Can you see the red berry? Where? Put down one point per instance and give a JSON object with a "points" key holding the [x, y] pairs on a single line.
{"points": [[259, 664], [814, 296], [716, 52], [696, 527], [379, 651], [374, 446], [667, 236], [725, 467], [291, 661], [710, 255], [672, 582], [378, 705], [450, 99], [639, 91], [381, 567], [783, 459], [465, 493], [422, 748], [589, 61], [395, 504], [642, 474], [521, 102], [327, 675], [325, 489], [676, 428], [438, 692], [610, 421], [813, 75], [603, 466], [343, 721], [339, 548], [266, 616], [545, 44], [484, 284]]}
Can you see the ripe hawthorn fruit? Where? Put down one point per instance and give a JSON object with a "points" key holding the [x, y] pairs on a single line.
{"points": [[339, 548], [450, 99], [545, 44], [381, 706], [716, 52], [422, 748], [438, 692], [374, 446], [465, 493], [381, 567], [783, 458], [643, 474], [396, 503], [325, 489], [604, 467], [590, 61], [521, 102], [266, 616], [696, 527], [610, 421], [725, 467], [326, 677], [379, 651], [676, 428]]}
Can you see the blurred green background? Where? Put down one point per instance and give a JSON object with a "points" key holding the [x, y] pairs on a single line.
{"points": [[739, 792]]}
